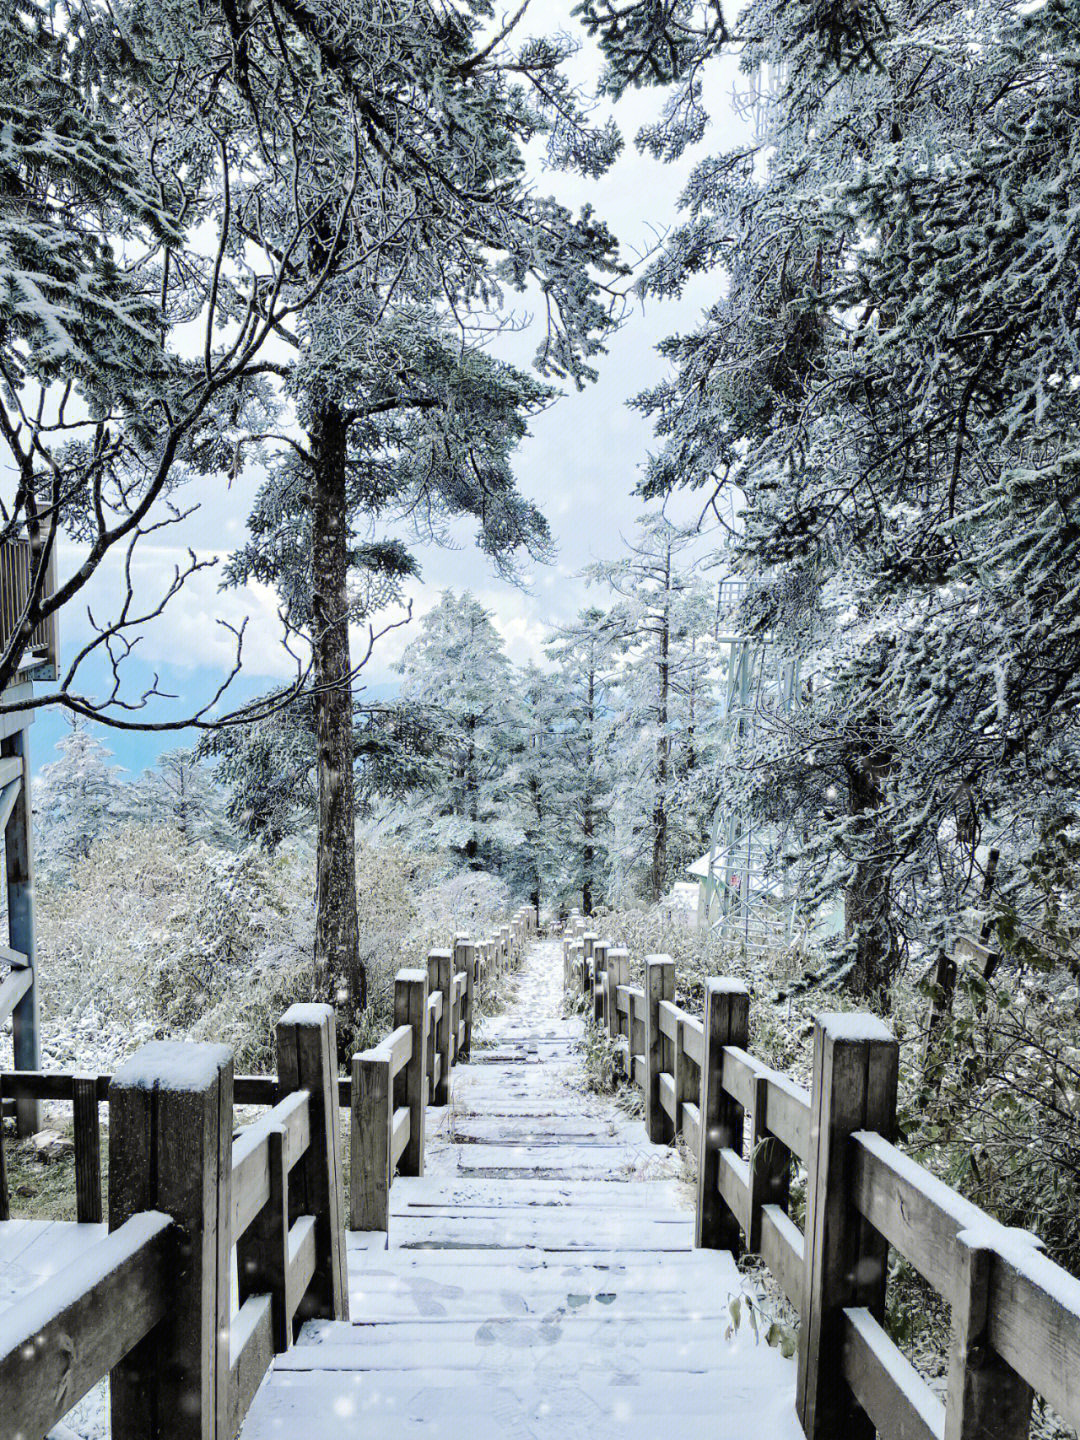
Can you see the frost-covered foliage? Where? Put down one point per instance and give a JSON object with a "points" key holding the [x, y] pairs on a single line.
{"points": [[152, 934], [77, 798], [588, 776], [886, 381], [80, 797], [581, 763]]}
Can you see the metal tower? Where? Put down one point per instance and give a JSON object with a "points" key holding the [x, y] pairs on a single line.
{"points": [[745, 898]]}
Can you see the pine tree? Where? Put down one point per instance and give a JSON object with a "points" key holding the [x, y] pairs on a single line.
{"points": [[584, 744], [181, 792], [660, 623], [457, 672], [880, 387], [412, 166], [77, 799]]}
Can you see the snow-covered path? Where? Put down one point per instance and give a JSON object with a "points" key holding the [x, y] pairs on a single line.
{"points": [[540, 1281]]}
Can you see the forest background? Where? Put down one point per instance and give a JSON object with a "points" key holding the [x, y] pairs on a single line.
{"points": [[868, 404]]}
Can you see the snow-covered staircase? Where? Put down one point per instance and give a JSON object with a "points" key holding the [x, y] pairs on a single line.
{"points": [[540, 1279]]}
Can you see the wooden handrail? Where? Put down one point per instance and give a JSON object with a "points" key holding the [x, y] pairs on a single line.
{"points": [[394, 1081], [1016, 1315], [174, 1338], [111, 1297]]}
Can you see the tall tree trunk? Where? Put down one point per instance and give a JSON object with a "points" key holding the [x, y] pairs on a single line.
{"points": [[658, 869], [472, 787], [868, 898], [339, 972], [588, 819]]}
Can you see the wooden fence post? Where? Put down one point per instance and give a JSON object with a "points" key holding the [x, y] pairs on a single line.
{"points": [[87, 1128], [727, 1022], [770, 1166], [307, 1060], [685, 1075], [618, 974], [468, 951], [636, 1033], [659, 985], [600, 962], [369, 1150], [440, 977], [987, 1399], [262, 1252], [411, 1085], [577, 966], [587, 942], [854, 1088], [170, 1149]]}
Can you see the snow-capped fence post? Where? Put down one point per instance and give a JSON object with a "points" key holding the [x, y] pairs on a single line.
{"points": [[854, 1088], [307, 1060], [659, 985], [468, 963], [371, 1142], [727, 1022], [618, 973], [440, 978], [170, 1150], [411, 1085], [578, 967]]}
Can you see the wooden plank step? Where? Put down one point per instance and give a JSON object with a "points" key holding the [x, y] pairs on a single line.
{"points": [[714, 1265], [428, 1193], [748, 1393], [564, 1107], [576, 1341], [508, 1230], [482, 1300], [564, 1162], [546, 1130]]}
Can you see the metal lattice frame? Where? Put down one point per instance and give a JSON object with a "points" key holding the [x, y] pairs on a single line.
{"points": [[744, 901]]}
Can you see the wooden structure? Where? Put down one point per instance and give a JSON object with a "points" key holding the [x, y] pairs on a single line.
{"points": [[18, 990], [535, 1285], [153, 1303], [1015, 1314]]}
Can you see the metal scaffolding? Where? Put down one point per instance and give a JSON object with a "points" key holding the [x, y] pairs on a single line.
{"points": [[745, 895]]}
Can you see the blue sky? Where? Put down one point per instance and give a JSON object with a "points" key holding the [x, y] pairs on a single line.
{"points": [[580, 463]]}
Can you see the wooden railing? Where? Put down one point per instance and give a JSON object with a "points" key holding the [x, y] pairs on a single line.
{"points": [[1015, 1314], [392, 1084], [153, 1305]]}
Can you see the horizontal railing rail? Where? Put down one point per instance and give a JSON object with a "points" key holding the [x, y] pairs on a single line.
{"points": [[1015, 1314]]}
